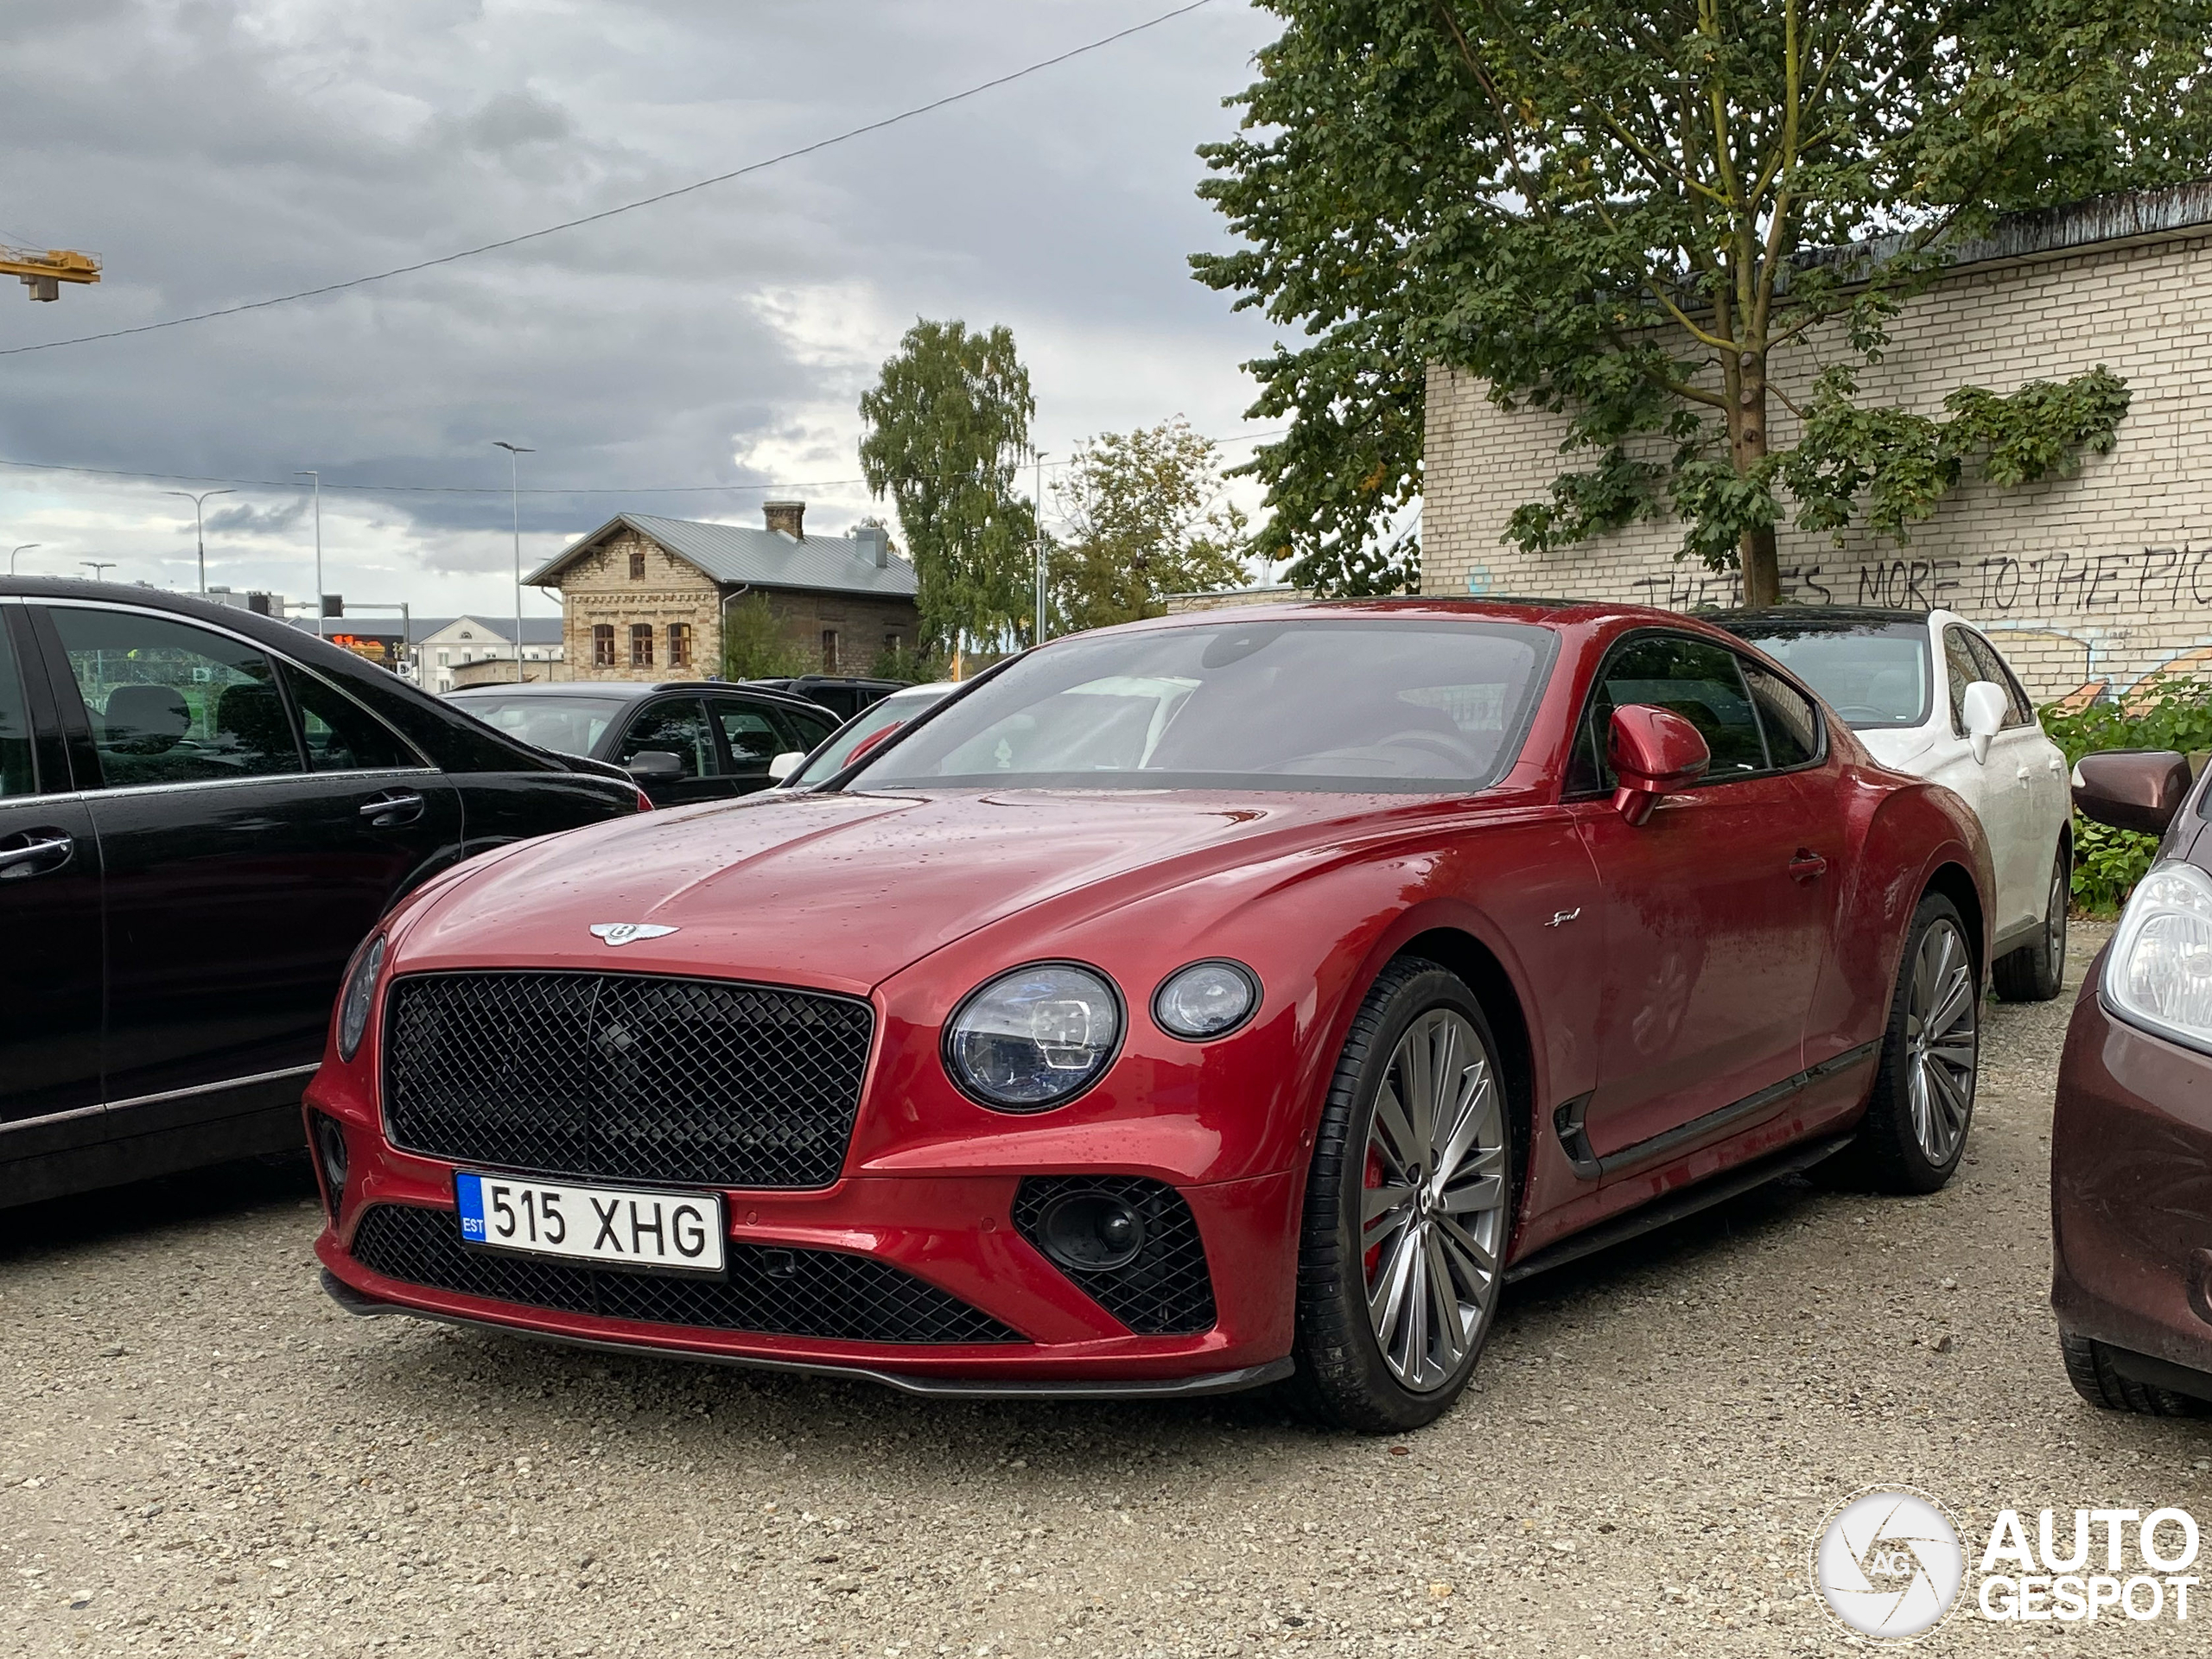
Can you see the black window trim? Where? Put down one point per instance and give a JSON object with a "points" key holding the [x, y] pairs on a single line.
{"points": [[1636, 636]]}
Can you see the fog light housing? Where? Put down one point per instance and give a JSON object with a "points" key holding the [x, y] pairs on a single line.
{"points": [[330, 1159], [1090, 1232]]}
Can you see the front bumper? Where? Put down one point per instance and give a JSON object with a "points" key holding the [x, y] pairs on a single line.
{"points": [[2131, 1192]]}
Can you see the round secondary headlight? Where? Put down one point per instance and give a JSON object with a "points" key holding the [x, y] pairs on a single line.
{"points": [[2158, 973], [1206, 999], [1034, 1038], [353, 1001]]}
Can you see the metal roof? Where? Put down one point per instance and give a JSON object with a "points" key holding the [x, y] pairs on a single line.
{"points": [[759, 559], [536, 630]]}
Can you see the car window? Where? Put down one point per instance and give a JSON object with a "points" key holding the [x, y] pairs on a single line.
{"points": [[1993, 668], [18, 776], [1700, 681], [1961, 670], [1787, 715], [1873, 674], [566, 725], [679, 727], [752, 738], [811, 729], [341, 735], [895, 710], [172, 704], [1274, 704]]}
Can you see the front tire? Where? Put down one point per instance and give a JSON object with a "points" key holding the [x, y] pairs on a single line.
{"points": [[1409, 1205], [2090, 1369], [2036, 972], [1916, 1126]]}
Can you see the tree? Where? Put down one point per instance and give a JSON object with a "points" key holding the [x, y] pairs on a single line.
{"points": [[755, 645], [942, 431], [1144, 519], [1640, 216]]}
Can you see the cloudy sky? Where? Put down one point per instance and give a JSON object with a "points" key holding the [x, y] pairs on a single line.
{"points": [[215, 152]]}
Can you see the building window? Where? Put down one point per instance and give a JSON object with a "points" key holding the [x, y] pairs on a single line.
{"points": [[890, 643], [602, 644], [641, 644], [829, 650], [679, 644], [636, 564], [445, 659]]}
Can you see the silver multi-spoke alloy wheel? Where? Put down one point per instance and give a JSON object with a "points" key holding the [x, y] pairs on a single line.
{"points": [[1433, 1211], [1941, 1027]]}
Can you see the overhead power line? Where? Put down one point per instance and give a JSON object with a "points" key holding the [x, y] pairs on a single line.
{"points": [[850, 133]]}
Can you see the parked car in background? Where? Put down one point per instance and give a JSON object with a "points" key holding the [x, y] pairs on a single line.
{"points": [[1184, 1006], [1927, 693], [2131, 1143], [202, 813], [683, 740], [843, 697], [869, 726]]}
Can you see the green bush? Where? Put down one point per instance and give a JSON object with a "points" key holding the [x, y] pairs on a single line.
{"points": [[755, 646], [2108, 864]]}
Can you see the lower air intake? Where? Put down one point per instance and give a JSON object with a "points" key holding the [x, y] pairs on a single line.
{"points": [[1153, 1277]]}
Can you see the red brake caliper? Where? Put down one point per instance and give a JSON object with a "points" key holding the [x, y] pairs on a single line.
{"points": [[1374, 1180]]}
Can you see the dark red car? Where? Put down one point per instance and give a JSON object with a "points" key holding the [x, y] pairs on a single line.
{"points": [[2131, 1143], [1177, 1008]]}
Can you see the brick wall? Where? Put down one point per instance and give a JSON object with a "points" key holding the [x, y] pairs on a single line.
{"points": [[2106, 576], [598, 588]]}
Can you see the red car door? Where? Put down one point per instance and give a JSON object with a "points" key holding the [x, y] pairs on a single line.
{"points": [[1716, 909]]}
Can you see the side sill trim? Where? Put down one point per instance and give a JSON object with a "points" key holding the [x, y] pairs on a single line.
{"points": [[1172, 1388], [216, 1088], [1684, 1134]]}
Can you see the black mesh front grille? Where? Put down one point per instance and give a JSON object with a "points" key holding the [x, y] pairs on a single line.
{"points": [[784, 1293], [1166, 1290], [625, 1076]]}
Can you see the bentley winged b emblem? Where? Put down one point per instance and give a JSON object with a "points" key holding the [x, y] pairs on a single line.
{"points": [[624, 933]]}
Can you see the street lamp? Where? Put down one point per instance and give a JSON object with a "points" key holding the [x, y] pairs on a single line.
{"points": [[97, 566], [305, 472], [25, 548], [515, 453], [200, 531]]}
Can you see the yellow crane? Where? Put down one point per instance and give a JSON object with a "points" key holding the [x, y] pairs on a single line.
{"points": [[43, 272]]}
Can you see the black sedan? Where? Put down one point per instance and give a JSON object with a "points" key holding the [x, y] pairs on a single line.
{"points": [[683, 740], [202, 812]]}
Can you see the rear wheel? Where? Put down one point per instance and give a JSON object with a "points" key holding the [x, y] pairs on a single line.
{"points": [[1915, 1125], [2089, 1369], [1409, 1207], [2036, 972]]}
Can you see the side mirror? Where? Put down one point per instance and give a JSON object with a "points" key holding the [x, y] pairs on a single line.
{"points": [[2131, 789], [1655, 751], [656, 766], [785, 764], [1983, 708]]}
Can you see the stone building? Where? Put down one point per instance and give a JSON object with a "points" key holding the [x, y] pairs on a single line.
{"points": [[2102, 578], [643, 598]]}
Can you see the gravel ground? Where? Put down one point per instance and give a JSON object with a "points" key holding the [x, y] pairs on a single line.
{"points": [[199, 1454]]}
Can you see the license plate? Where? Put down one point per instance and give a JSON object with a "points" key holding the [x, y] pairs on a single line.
{"points": [[609, 1226]]}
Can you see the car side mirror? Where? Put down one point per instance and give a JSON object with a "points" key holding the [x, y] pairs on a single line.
{"points": [[785, 764], [1983, 708], [2131, 789], [656, 766], [1655, 751]]}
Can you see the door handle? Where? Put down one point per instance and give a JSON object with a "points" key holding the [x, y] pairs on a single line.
{"points": [[1806, 866], [389, 812], [42, 850]]}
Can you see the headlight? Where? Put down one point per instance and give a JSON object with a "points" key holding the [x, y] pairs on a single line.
{"points": [[1035, 1037], [1206, 999], [2158, 973], [353, 1001]]}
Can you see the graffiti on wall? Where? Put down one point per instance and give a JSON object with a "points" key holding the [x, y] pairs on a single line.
{"points": [[2145, 579]]}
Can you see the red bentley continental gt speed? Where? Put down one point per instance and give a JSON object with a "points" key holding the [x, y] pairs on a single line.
{"points": [[1227, 998]]}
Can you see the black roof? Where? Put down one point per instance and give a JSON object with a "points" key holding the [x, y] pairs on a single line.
{"points": [[1808, 616]]}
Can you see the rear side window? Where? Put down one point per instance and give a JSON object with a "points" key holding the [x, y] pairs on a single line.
{"points": [[813, 729], [173, 703], [341, 735], [1700, 682], [17, 775], [1786, 716]]}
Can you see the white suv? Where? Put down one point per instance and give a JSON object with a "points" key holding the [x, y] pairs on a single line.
{"points": [[1927, 693]]}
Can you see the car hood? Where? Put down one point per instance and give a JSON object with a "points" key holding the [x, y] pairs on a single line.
{"points": [[1898, 749], [843, 891]]}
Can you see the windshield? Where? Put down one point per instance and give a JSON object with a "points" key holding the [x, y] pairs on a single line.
{"points": [[894, 710], [1305, 704], [1874, 675], [565, 724]]}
